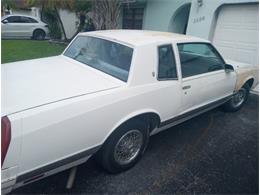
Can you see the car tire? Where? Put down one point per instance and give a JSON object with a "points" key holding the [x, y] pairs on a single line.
{"points": [[124, 147], [237, 100], [39, 34]]}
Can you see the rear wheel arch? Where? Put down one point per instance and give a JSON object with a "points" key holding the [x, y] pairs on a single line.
{"points": [[151, 119]]}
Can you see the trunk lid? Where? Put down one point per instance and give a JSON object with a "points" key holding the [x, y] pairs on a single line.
{"points": [[31, 83]]}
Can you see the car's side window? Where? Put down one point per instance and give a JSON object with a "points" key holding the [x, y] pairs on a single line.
{"points": [[13, 19], [167, 66], [27, 20], [199, 58], [24, 20], [31, 20]]}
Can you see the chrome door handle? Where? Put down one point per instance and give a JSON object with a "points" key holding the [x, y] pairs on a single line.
{"points": [[186, 87]]}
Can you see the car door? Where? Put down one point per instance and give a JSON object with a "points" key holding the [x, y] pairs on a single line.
{"points": [[27, 25], [23, 27], [9, 26], [204, 80], [16, 27]]}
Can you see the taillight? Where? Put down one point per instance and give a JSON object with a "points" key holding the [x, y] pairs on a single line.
{"points": [[5, 137]]}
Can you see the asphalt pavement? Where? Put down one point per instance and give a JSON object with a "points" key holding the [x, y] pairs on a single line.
{"points": [[216, 152]]}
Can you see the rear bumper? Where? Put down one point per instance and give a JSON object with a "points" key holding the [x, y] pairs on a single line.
{"points": [[8, 186], [11, 181], [8, 179]]}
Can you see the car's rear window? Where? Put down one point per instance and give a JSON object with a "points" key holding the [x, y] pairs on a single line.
{"points": [[107, 56]]}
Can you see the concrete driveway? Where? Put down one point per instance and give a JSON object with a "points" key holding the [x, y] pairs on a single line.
{"points": [[215, 152]]}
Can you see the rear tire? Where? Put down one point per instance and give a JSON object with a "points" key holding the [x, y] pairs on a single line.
{"points": [[124, 147], [39, 34], [237, 100]]}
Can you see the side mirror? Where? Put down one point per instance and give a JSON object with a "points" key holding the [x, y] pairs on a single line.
{"points": [[229, 68], [5, 21]]}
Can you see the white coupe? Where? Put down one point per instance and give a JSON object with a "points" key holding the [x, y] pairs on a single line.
{"points": [[105, 95]]}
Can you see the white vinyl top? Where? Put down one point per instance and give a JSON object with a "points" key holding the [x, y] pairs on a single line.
{"points": [[142, 37]]}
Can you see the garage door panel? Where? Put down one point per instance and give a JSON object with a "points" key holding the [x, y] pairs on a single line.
{"points": [[236, 32], [227, 35], [245, 56], [233, 37], [246, 46], [239, 52], [227, 51]]}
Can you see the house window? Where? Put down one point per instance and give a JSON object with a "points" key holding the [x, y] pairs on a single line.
{"points": [[133, 18]]}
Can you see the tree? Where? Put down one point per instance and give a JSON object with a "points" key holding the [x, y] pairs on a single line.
{"points": [[81, 8], [105, 14], [7, 4], [54, 5]]}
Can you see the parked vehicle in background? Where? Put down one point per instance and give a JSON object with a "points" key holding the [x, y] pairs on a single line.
{"points": [[105, 95], [21, 27]]}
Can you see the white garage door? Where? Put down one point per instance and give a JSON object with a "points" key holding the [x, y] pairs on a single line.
{"points": [[236, 33]]}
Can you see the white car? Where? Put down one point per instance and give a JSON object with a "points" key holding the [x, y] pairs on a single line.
{"points": [[20, 26], [105, 95]]}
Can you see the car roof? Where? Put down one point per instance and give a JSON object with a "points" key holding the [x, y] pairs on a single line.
{"points": [[4, 17], [143, 37]]}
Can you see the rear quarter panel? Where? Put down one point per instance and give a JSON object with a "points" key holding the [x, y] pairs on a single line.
{"points": [[56, 131]]}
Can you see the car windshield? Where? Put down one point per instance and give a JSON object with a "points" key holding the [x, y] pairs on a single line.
{"points": [[107, 56]]}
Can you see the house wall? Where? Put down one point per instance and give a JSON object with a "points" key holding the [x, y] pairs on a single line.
{"points": [[69, 20], [203, 18], [179, 19], [120, 20], [158, 14], [34, 11]]}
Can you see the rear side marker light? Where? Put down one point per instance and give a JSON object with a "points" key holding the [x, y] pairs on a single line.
{"points": [[5, 137]]}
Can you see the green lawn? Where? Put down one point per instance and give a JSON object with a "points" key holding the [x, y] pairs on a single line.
{"points": [[15, 50]]}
